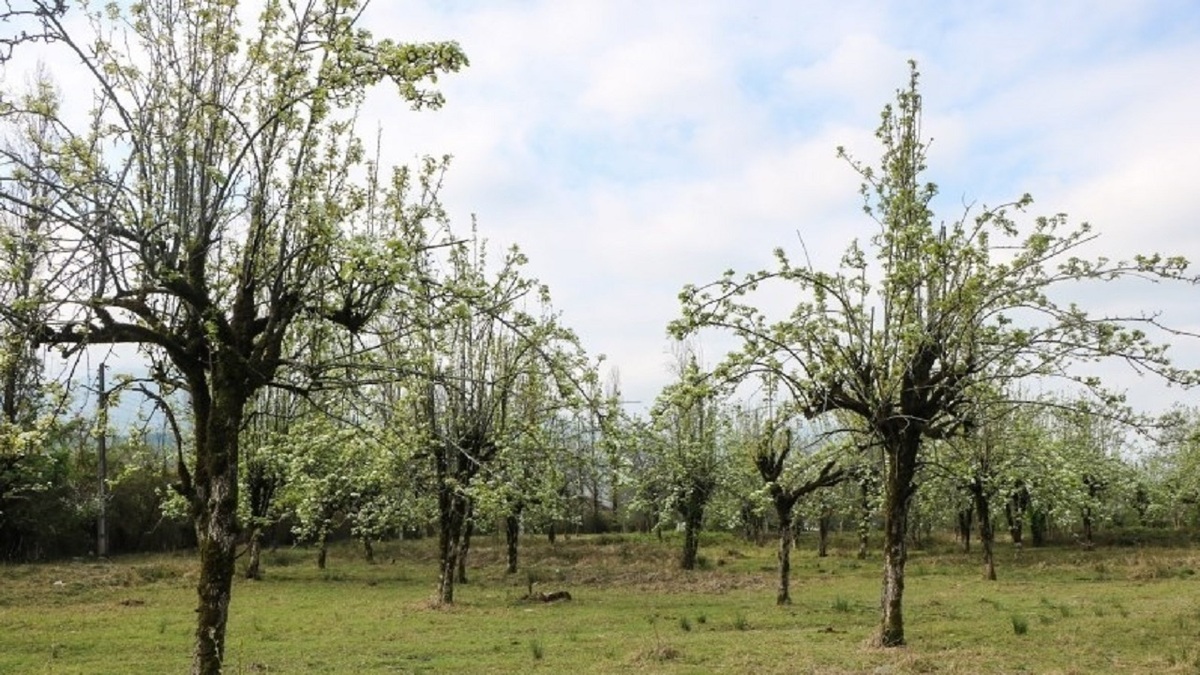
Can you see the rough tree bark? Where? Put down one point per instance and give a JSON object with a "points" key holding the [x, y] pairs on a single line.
{"points": [[254, 555], [787, 538], [214, 502], [897, 499], [451, 523]]}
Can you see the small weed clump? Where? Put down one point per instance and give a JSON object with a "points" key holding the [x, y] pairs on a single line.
{"points": [[537, 649], [841, 604], [1020, 624], [740, 622], [685, 624]]}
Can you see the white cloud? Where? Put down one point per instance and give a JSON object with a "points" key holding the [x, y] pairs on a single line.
{"points": [[633, 147]]}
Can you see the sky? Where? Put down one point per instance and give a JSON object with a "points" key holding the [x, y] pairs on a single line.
{"points": [[631, 148]]}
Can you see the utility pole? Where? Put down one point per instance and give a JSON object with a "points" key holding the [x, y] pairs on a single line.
{"points": [[102, 470]]}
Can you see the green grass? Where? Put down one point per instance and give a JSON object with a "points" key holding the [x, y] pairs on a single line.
{"points": [[1054, 610]]}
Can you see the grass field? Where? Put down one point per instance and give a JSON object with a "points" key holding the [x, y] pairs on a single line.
{"points": [[1063, 610]]}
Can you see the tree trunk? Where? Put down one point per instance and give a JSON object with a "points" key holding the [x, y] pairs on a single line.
{"points": [[451, 518], [1087, 527], [895, 554], [465, 543], [446, 569], [218, 421], [552, 533], [692, 520], [512, 535], [898, 491], [614, 487], [596, 527], [823, 525], [368, 550], [1037, 527], [786, 538], [215, 534], [964, 529], [322, 549], [260, 485], [987, 533], [1015, 527], [254, 555], [1014, 511]]}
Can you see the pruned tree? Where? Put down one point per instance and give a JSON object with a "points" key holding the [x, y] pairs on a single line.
{"points": [[1097, 478], [686, 422], [209, 201], [526, 484], [794, 461], [1174, 468], [481, 342], [337, 475], [999, 456], [904, 334], [264, 471]]}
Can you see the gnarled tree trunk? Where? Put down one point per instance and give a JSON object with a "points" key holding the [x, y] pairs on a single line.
{"points": [[254, 555], [898, 492], [786, 540], [218, 423]]}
